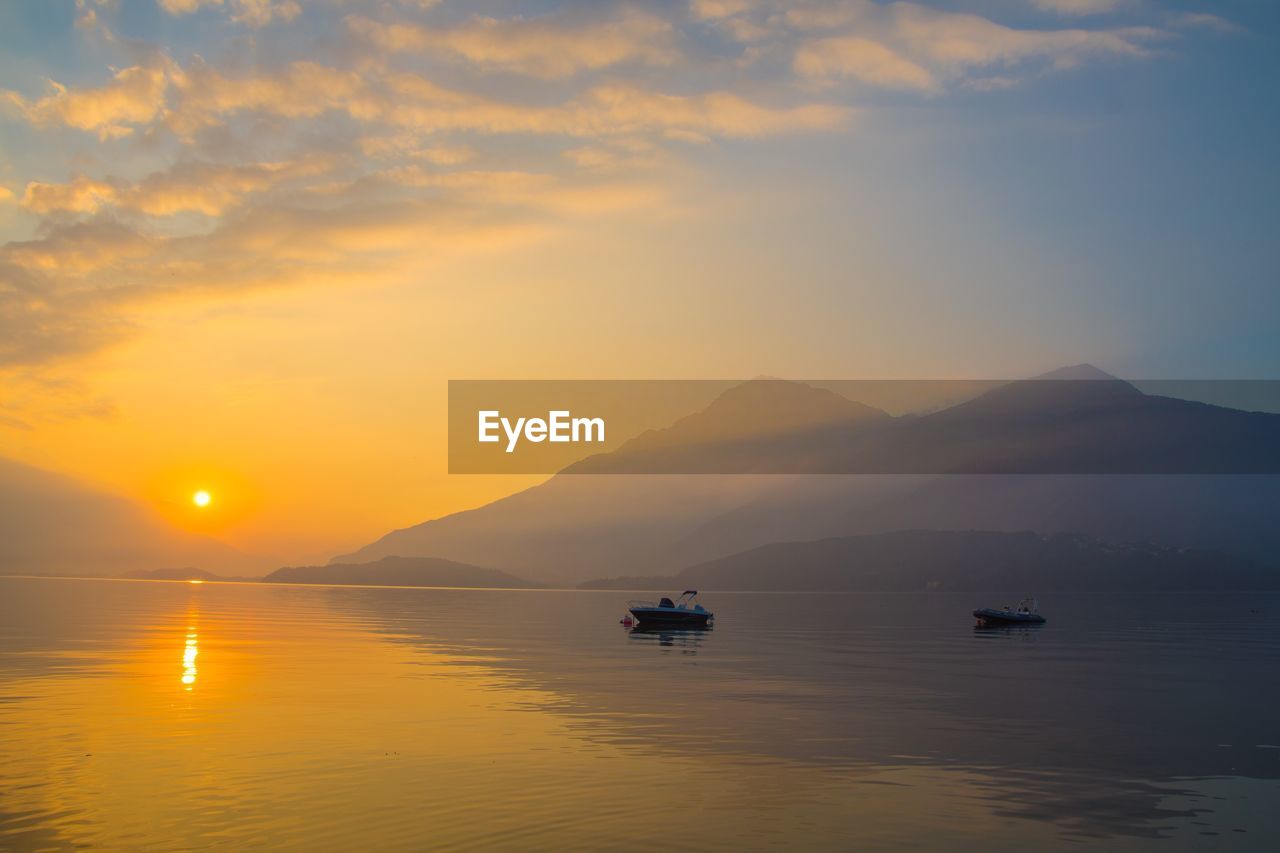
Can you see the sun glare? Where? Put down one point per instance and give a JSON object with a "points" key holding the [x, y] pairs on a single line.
{"points": [[201, 498], [189, 653]]}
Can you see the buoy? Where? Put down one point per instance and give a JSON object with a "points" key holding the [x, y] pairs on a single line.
{"points": [[627, 621]]}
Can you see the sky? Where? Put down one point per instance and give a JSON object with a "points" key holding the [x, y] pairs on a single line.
{"points": [[244, 244]]}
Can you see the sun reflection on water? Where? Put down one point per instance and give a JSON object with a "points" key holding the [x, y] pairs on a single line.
{"points": [[189, 652]]}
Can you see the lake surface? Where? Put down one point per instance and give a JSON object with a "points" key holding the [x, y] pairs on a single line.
{"points": [[177, 716]]}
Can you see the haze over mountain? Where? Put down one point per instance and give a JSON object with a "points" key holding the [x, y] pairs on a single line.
{"points": [[51, 524], [576, 527], [571, 528], [932, 560], [180, 573], [761, 425], [400, 571], [1077, 420]]}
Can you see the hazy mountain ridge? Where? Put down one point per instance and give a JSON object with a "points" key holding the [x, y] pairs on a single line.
{"points": [[573, 528], [184, 573], [930, 560], [566, 529], [400, 571], [761, 419], [1034, 426]]}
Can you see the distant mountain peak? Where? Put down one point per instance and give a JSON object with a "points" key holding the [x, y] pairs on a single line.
{"points": [[1078, 372], [786, 403], [739, 422]]}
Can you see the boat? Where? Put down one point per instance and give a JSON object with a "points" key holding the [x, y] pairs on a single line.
{"points": [[684, 611], [1026, 613]]}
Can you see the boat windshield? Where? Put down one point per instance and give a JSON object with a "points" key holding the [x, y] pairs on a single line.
{"points": [[687, 601]]}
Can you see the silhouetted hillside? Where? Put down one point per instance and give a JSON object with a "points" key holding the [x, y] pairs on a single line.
{"points": [[1035, 426], [566, 529], [764, 425], [400, 571], [572, 528], [921, 560]]}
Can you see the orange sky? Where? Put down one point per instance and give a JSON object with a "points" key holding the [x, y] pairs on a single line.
{"points": [[245, 245]]}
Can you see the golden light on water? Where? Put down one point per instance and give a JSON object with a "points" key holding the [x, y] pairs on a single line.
{"points": [[201, 498], [189, 652]]}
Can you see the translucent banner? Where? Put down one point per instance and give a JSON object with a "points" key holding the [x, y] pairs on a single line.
{"points": [[1096, 425]]}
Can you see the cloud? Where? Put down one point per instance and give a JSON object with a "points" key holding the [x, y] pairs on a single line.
{"points": [[38, 326], [200, 187], [540, 47], [255, 13], [85, 286], [961, 41], [87, 16], [81, 195], [627, 109], [185, 7], [188, 186], [380, 176], [1080, 7], [862, 59], [738, 19], [43, 399], [714, 10], [1205, 21], [81, 286], [413, 102], [629, 153], [409, 145], [301, 89], [911, 46], [259, 13], [827, 16], [599, 112], [76, 249], [133, 96], [399, 142], [591, 157], [900, 46]]}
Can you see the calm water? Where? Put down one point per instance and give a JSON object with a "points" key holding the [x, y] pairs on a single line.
{"points": [[179, 716]]}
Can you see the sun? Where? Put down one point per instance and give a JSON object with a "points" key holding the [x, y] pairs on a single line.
{"points": [[201, 498]]}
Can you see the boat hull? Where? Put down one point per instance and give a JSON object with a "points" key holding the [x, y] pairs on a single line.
{"points": [[987, 616], [665, 616]]}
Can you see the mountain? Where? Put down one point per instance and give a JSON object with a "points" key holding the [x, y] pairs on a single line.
{"points": [[1077, 373], [573, 527], [1231, 514], [186, 573], [928, 560], [1047, 425], [51, 524], [764, 426], [400, 571]]}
